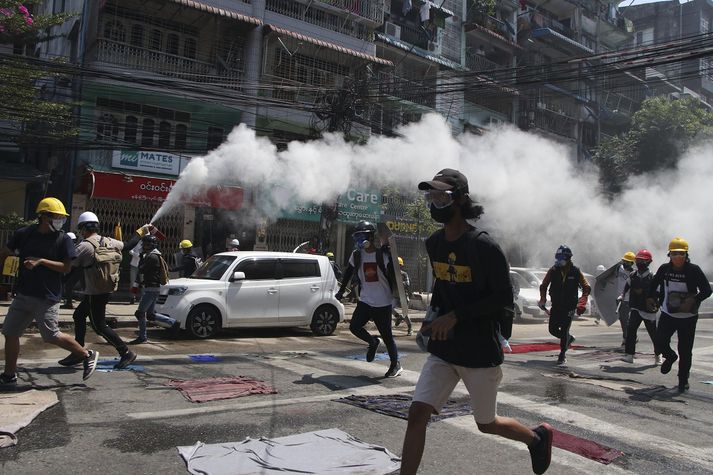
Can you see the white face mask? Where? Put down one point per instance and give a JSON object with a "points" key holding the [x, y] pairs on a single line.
{"points": [[56, 224]]}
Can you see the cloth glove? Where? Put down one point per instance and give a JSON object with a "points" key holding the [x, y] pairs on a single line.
{"points": [[581, 305]]}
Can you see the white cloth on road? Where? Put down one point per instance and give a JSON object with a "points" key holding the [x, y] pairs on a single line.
{"points": [[17, 410], [325, 451]]}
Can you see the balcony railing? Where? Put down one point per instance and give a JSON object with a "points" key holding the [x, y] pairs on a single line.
{"points": [[479, 63], [166, 64], [561, 125], [324, 19], [370, 10], [417, 92], [618, 103]]}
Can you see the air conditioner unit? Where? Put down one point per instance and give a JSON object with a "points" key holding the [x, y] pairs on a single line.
{"points": [[434, 47], [392, 29]]}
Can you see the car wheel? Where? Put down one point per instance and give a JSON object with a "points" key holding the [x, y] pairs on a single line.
{"points": [[324, 320], [203, 321]]}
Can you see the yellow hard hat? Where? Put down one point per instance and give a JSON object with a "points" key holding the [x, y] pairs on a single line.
{"points": [[401, 261], [329, 254], [678, 244], [185, 244], [51, 205], [629, 257]]}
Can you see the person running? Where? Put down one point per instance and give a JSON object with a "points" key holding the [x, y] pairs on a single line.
{"points": [[46, 254], [335, 267], [70, 280], [474, 301], [623, 272], [638, 291], [403, 316], [373, 266], [150, 277], [564, 280], [678, 287], [96, 292], [189, 261]]}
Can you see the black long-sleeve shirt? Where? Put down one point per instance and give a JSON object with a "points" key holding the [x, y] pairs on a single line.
{"points": [[673, 287]]}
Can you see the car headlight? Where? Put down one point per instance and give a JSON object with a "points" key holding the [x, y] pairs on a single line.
{"points": [[177, 290]]}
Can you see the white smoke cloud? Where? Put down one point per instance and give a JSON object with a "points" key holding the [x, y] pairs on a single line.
{"points": [[535, 196]]}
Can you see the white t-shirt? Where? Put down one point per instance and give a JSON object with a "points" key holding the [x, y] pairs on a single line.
{"points": [[375, 290], [622, 278]]}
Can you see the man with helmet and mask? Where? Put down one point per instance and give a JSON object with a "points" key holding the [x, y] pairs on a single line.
{"points": [[473, 301], [46, 253], [564, 280], [149, 280], [623, 272], [233, 245], [374, 267], [678, 287], [95, 298], [189, 262], [638, 290]]}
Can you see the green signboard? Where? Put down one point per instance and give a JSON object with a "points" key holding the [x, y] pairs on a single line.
{"points": [[354, 205]]}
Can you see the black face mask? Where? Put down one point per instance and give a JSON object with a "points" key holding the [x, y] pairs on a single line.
{"points": [[442, 215], [641, 267]]}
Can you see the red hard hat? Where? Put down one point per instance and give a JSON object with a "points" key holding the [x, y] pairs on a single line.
{"points": [[644, 255]]}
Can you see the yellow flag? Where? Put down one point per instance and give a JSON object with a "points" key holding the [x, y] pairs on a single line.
{"points": [[118, 235]]}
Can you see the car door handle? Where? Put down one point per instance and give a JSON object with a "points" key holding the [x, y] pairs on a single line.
{"points": [[271, 291], [314, 288]]}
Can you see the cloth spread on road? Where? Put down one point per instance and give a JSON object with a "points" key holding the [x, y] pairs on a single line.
{"points": [[529, 347], [329, 451], [213, 389], [397, 405], [205, 358], [585, 448], [17, 410]]}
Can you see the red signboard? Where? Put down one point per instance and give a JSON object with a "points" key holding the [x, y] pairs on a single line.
{"points": [[131, 187]]}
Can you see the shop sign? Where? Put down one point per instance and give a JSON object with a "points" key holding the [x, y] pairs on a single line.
{"points": [[147, 161], [130, 187], [354, 206]]}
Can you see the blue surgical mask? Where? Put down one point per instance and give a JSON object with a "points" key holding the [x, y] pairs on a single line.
{"points": [[360, 240]]}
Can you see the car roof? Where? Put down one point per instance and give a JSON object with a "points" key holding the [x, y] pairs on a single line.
{"points": [[271, 254]]}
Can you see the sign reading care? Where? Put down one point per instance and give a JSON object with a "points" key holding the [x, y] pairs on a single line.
{"points": [[354, 206], [147, 161]]}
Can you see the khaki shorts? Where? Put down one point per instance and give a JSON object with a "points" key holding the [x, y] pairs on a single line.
{"points": [[24, 309], [438, 379]]}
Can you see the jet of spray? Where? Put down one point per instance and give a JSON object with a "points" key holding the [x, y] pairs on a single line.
{"points": [[535, 195]]}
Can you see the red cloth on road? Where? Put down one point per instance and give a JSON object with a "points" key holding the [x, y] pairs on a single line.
{"points": [[213, 389], [528, 347], [585, 448]]}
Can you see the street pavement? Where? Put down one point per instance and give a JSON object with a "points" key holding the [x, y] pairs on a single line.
{"points": [[129, 422]]}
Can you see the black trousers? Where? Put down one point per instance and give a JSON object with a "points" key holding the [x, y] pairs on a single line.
{"points": [[686, 330], [560, 322], [381, 316], [633, 327], [94, 307]]}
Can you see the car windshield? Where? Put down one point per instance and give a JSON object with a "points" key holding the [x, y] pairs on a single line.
{"points": [[520, 281], [213, 268]]}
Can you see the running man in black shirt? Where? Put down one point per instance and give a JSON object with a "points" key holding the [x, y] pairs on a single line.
{"points": [[637, 288], [680, 287], [474, 298]]}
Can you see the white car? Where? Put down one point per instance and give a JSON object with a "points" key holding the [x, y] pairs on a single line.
{"points": [[255, 289], [527, 297]]}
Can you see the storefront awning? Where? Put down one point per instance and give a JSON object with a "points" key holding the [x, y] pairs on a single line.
{"points": [[218, 11], [326, 44], [120, 186]]}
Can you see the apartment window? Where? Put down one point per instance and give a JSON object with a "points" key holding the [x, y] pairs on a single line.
{"points": [[131, 129], [215, 137], [114, 31], [181, 133], [164, 134], [137, 35], [172, 43], [147, 133], [705, 24], [108, 128], [156, 40], [189, 48], [58, 6]]}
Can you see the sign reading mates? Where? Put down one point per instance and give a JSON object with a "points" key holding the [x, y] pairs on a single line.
{"points": [[147, 161], [354, 206]]}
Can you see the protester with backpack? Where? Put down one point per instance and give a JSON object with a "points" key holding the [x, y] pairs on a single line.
{"points": [[189, 261], [153, 273], [474, 301], [46, 253], [99, 257], [376, 272]]}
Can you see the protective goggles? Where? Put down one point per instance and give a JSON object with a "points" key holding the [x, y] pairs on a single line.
{"points": [[437, 198]]}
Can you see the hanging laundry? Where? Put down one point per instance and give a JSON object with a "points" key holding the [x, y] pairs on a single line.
{"points": [[406, 7], [425, 12]]}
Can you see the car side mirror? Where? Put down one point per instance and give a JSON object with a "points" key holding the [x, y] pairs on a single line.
{"points": [[237, 276]]}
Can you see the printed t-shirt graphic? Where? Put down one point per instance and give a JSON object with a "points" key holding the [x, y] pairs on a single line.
{"points": [[452, 272], [370, 271]]}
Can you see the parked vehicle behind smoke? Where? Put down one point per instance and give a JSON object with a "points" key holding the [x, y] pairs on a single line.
{"points": [[527, 299], [255, 289]]}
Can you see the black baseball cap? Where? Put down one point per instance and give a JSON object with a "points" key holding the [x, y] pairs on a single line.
{"points": [[446, 179]]}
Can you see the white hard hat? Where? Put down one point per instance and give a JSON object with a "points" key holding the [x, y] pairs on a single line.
{"points": [[234, 243], [87, 217], [72, 236], [601, 268]]}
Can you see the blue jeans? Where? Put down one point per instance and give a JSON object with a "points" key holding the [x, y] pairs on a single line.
{"points": [[149, 295]]}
